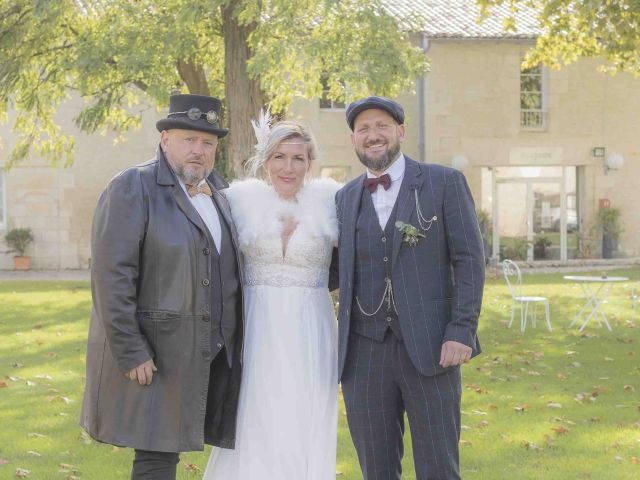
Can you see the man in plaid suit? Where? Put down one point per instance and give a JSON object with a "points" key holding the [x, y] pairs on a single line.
{"points": [[411, 278]]}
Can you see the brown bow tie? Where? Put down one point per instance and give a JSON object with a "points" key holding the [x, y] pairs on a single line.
{"points": [[202, 188], [372, 183]]}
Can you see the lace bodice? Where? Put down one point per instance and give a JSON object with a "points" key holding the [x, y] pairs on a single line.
{"points": [[258, 214], [305, 263]]}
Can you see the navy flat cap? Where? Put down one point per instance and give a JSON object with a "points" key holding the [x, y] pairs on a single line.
{"points": [[392, 108]]}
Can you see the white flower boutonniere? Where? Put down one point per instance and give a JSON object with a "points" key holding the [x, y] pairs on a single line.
{"points": [[410, 234]]}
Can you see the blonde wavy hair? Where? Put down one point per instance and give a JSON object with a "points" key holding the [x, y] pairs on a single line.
{"points": [[278, 133]]}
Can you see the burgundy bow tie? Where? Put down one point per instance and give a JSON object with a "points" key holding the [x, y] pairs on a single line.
{"points": [[372, 183]]}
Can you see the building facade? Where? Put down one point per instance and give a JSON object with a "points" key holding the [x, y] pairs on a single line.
{"points": [[543, 150]]}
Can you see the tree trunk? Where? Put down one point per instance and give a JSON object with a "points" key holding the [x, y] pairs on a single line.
{"points": [[243, 97], [193, 75]]}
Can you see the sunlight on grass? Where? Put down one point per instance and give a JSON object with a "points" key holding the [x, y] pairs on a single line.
{"points": [[546, 405]]}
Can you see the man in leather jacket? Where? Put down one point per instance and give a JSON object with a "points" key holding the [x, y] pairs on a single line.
{"points": [[165, 336]]}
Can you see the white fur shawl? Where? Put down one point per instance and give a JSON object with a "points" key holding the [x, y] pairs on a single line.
{"points": [[258, 210]]}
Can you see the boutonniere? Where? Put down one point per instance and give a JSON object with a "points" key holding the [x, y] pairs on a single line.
{"points": [[410, 234]]}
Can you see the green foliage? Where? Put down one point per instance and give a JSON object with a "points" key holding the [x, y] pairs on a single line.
{"points": [[18, 239], [122, 57], [541, 240], [607, 222], [582, 29], [514, 248]]}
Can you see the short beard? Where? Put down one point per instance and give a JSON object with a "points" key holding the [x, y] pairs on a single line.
{"points": [[382, 163], [189, 177]]}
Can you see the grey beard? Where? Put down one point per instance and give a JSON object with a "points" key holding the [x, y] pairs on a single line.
{"points": [[382, 163], [189, 178]]}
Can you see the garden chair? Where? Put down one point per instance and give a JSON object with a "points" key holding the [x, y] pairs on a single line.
{"points": [[513, 278]]}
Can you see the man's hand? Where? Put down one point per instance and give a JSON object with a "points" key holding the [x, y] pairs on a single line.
{"points": [[143, 373], [454, 353]]}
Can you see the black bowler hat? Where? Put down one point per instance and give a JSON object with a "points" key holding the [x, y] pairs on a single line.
{"points": [[193, 112], [392, 108]]}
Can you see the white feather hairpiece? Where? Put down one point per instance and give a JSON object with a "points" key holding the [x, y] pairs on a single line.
{"points": [[262, 127]]}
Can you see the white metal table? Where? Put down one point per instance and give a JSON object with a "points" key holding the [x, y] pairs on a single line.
{"points": [[595, 297]]}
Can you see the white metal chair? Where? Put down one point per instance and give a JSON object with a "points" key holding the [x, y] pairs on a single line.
{"points": [[513, 278]]}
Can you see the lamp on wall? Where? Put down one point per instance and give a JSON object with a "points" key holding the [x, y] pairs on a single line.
{"points": [[615, 161], [460, 162]]}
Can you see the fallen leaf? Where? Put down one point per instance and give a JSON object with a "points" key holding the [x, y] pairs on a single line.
{"points": [[635, 460], [608, 359], [34, 454], [13, 379], [531, 446], [576, 364], [570, 353], [3, 385], [629, 388], [561, 430], [45, 376], [521, 408], [483, 424], [31, 384], [192, 468], [618, 458], [22, 473], [17, 365], [35, 435], [3, 461], [66, 467], [51, 354], [554, 405]]}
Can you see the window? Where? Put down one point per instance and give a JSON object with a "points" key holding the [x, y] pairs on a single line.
{"points": [[533, 103], [325, 101], [3, 202]]}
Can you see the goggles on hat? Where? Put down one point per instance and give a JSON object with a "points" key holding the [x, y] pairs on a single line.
{"points": [[196, 114]]}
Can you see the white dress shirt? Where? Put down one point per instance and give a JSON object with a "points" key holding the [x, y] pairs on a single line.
{"points": [[207, 210], [384, 200]]}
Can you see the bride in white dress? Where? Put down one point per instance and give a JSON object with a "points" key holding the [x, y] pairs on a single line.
{"points": [[287, 418]]}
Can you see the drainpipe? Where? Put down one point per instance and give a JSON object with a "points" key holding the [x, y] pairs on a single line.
{"points": [[422, 107]]}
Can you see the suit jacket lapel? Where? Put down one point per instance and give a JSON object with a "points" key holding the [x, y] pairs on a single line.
{"points": [[411, 183], [348, 227]]}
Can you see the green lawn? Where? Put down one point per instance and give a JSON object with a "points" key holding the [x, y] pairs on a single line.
{"points": [[557, 405]]}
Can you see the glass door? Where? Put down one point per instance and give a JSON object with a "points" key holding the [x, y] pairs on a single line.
{"points": [[534, 213]]}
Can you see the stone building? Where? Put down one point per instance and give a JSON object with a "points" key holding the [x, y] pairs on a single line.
{"points": [[542, 149]]}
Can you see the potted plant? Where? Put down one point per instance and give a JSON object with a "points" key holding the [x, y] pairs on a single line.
{"points": [[608, 223], [18, 240], [540, 244]]}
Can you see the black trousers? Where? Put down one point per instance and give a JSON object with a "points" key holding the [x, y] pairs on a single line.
{"points": [[148, 465], [379, 385], [154, 465]]}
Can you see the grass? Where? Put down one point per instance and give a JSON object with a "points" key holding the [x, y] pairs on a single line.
{"points": [[559, 405]]}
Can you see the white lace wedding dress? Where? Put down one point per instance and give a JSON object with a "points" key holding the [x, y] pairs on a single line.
{"points": [[287, 417]]}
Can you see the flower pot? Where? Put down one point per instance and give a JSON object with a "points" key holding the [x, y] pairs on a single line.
{"points": [[609, 246], [539, 252], [22, 263]]}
